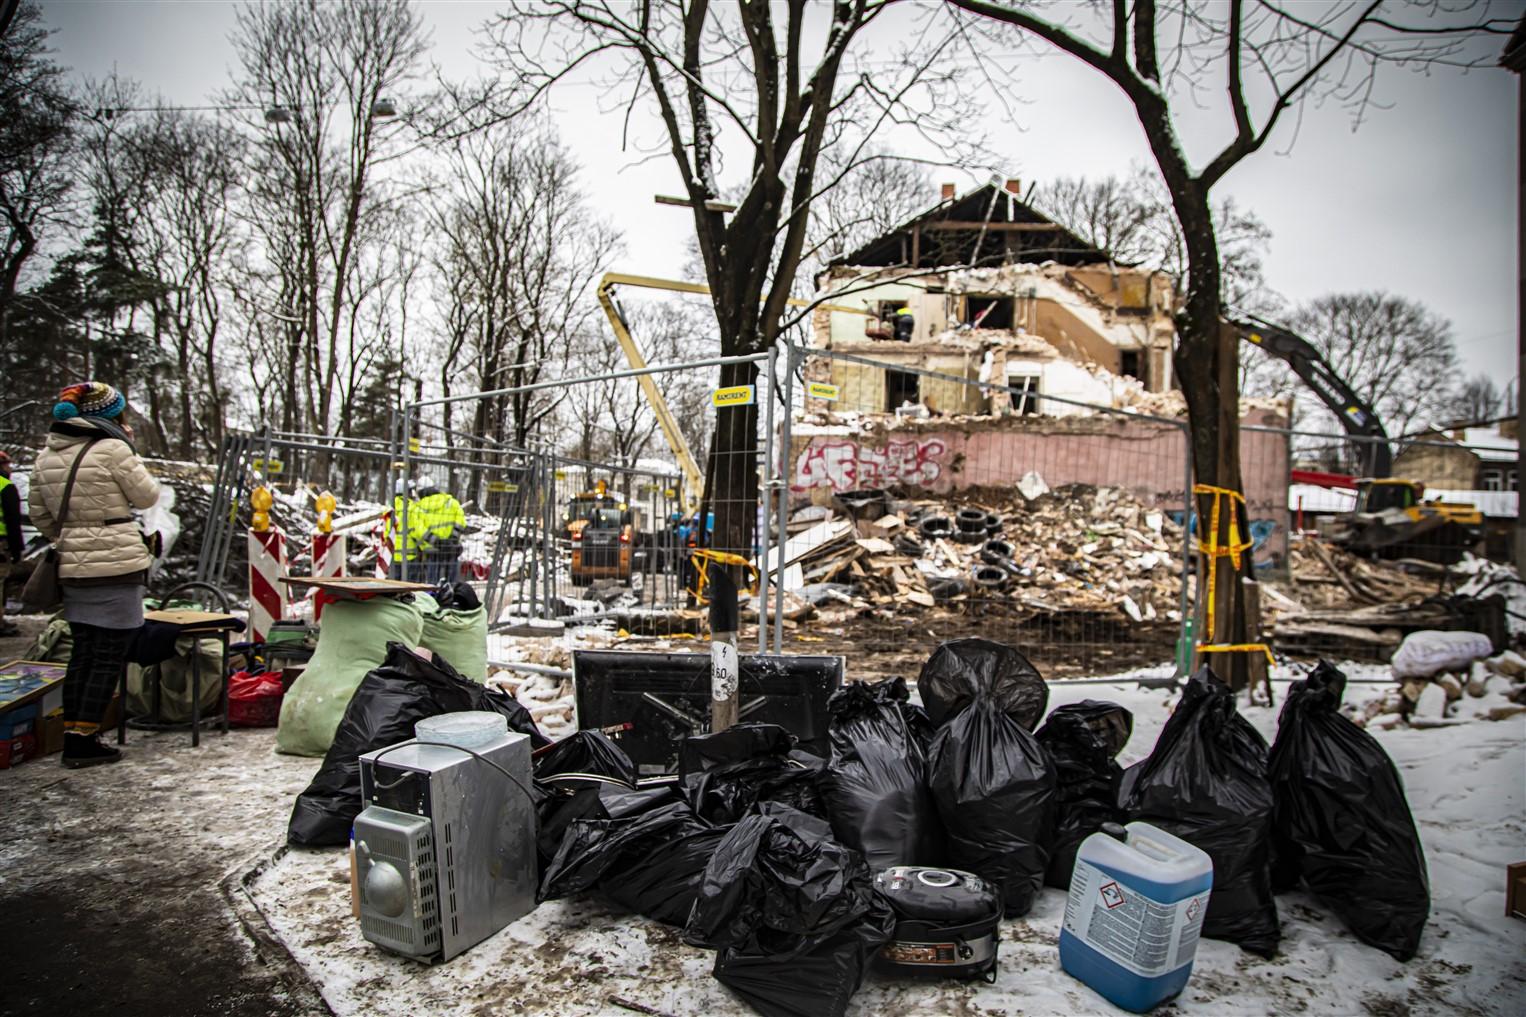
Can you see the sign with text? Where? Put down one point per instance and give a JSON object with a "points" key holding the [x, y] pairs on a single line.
{"points": [[736, 395], [821, 390]]}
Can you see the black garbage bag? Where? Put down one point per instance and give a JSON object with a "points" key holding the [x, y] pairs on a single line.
{"points": [[994, 786], [386, 705], [919, 725], [587, 752], [1083, 739], [1206, 783], [792, 914], [876, 786], [1341, 822], [964, 670], [644, 851], [725, 774]]}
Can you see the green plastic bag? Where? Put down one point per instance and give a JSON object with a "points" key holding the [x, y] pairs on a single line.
{"points": [[458, 636], [174, 676], [352, 640]]}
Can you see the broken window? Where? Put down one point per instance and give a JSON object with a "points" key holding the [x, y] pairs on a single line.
{"points": [[989, 310], [1025, 393], [901, 388], [1128, 364]]}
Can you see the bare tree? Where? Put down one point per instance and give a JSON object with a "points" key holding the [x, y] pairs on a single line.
{"points": [[325, 208], [775, 85], [1132, 219], [1480, 399], [1268, 59], [1396, 353], [520, 249], [36, 119]]}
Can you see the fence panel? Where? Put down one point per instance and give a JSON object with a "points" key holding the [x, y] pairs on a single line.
{"points": [[601, 525], [979, 510]]}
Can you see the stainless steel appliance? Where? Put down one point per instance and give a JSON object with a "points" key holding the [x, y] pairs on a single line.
{"points": [[445, 848]]}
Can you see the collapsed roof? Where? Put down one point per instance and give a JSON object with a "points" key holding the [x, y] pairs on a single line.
{"points": [[990, 225]]}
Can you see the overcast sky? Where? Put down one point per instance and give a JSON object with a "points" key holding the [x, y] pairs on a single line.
{"points": [[1421, 201]]}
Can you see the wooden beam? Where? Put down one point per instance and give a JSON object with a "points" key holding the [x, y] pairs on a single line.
{"points": [[995, 227], [710, 206]]}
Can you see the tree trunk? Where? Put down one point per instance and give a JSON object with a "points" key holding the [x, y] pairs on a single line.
{"points": [[733, 488]]}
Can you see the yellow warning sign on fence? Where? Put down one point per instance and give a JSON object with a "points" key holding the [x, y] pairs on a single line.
{"points": [[821, 390], [736, 395], [413, 444], [276, 466], [502, 487]]}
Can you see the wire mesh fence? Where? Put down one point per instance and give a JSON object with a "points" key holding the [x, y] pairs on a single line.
{"points": [[931, 504], [633, 533]]}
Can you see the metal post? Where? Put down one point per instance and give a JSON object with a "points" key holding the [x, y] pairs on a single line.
{"points": [[766, 500], [1188, 506], [407, 460], [790, 357]]}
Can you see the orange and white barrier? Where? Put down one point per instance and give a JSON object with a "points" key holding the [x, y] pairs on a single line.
{"points": [[267, 594], [330, 560]]}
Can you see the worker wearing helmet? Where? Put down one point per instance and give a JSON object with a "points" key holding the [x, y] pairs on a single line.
{"points": [[405, 545], [438, 532]]}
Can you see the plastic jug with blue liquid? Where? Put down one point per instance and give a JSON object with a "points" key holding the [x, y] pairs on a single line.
{"points": [[1136, 905]]}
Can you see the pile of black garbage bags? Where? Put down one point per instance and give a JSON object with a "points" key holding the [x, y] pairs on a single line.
{"points": [[766, 854]]}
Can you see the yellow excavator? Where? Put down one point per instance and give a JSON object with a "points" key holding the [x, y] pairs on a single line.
{"points": [[1392, 519]]}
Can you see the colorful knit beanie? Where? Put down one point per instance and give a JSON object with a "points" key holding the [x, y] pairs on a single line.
{"points": [[89, 399]]}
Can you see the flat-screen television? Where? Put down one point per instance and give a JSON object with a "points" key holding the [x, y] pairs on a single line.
{"points": [[665, 697]]}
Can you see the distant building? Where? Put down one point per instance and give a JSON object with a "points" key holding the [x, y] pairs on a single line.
{"points": [[1479, 457]]}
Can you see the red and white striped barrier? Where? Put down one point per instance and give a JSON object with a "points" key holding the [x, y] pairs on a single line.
{"points": [[330, 559], [382, 536], [267, 594]]}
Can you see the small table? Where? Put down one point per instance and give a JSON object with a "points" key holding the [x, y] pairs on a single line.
{"points": [[199, 625]]}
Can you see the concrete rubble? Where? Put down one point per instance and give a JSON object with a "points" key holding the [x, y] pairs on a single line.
{"points": [[1074, 549]]}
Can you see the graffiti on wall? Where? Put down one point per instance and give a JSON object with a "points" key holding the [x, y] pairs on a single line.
{"points": [[848, 466]]}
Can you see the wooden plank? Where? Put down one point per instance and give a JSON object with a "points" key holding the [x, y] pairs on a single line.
{"points": [[995, 227], [1324, 556]]}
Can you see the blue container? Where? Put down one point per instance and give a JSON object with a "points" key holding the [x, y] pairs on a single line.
{"points": [[1136, 905]]}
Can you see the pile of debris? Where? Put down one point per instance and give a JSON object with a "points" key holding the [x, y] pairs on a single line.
{"points": [[1463, 683], [1338, 603], [1078, 548]]}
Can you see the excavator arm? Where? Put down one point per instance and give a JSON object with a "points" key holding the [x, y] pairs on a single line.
{"points": [[1309, 364]]}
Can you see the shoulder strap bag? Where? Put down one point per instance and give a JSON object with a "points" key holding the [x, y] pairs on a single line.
{"points": [[43, 593]]}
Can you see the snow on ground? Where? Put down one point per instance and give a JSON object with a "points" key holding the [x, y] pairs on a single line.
{"points": [[569, 957]]}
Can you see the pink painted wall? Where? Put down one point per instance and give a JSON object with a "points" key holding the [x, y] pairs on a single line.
{"points": [[1145, 457]]}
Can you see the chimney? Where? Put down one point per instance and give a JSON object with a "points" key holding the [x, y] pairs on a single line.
{"points": [[949, 190], [1015, 186]]}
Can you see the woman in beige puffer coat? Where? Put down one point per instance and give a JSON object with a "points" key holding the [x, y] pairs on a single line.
{"points": [[102, 559]]}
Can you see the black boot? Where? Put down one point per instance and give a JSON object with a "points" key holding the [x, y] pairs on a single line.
{"points": [[87, 750]]}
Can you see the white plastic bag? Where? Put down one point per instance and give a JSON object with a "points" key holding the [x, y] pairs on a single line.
{"points": [[1429, 652]]}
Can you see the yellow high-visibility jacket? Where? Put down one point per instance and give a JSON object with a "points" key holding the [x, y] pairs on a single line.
{"points": [[439, 519]]}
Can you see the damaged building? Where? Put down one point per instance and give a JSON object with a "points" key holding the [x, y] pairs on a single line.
{"points": [[996, 343]]}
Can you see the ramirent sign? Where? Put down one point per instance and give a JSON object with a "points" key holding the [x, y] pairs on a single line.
{"points": [[737, 395]]}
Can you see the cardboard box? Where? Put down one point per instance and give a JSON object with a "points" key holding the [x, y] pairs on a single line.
{"points": [[1515, 890], [21, 720]]}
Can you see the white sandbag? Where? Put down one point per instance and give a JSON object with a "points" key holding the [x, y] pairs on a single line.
{"points": [[1429, 652]]}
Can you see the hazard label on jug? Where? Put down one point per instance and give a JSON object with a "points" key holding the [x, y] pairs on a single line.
{"points": [[1145, 936]]}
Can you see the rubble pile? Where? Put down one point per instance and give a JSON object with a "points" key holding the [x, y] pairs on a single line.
{"points": [[1338, 603], [1489, 688], [1077, 548]]}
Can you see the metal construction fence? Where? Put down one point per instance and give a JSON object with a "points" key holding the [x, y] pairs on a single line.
{"points": [[863, 505]]}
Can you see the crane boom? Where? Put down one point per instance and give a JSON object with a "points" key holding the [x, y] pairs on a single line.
{"points": [[1309, 364], [694, 479]]}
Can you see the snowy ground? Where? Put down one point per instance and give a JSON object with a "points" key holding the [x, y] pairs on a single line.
{"points": [[570, 957]]}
